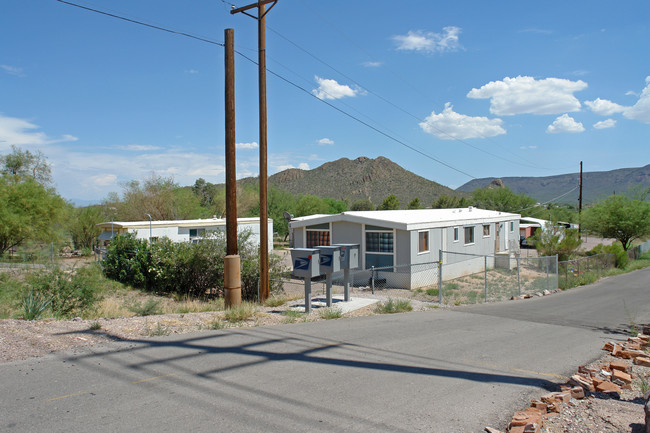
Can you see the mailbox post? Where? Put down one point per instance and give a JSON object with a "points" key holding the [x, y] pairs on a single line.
{"points": [[330, 262], [306, 265], [349, 260]]}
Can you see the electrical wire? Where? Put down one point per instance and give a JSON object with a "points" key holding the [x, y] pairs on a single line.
{"points": [[286, 80]]}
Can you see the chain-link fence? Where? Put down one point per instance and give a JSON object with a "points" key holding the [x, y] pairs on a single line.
{"points": [[584, 270], [472, 278]]}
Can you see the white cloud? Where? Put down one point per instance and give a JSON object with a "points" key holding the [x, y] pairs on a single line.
{"points": [[138, 147], [641, 110], [303, 166], [528, 147], [13, 70], [604, 124], [252, 145], [527, 95], [430, 42], [603, 107], [450, 125], [325, 142], [331, 89], [565, 123], [21, 132], [372, 64], [191, 71], [102, 180]]}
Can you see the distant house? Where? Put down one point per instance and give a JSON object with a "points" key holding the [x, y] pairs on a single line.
{"points": [[392, 238], [180, 230]]}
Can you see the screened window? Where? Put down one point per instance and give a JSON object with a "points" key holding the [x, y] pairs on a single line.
{"points": [[197, 232], [318, 235], [469, 235], [486, 230], [423, 242], [456, 235], [379, 246]]}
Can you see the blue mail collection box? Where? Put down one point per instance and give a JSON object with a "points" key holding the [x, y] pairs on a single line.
{"points": [[349, 256], [330, 259], [305, 262]]}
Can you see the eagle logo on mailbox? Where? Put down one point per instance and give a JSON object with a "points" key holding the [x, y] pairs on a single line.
{"points": [[302, 263], [326, 260]]}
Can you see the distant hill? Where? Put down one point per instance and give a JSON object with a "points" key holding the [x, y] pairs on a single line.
{"points": [[359, 179], [595, 184]]}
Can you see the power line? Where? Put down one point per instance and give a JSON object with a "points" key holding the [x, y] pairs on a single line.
{"points": [[119, 17], [286, 80]]}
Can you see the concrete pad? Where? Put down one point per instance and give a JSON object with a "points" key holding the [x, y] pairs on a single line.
{"points": [[337, 302]]}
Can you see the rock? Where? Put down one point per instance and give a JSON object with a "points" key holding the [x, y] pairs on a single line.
{"points": [[642, 360]]}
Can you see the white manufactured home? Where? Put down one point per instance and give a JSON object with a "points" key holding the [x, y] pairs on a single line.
{"points": [[389, 239], [180, 230]]}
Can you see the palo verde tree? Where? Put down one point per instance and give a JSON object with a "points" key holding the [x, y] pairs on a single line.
{"points": [[555, 239], [619, 217]]}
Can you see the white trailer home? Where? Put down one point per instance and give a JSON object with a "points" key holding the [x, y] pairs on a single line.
{"points": [[389, 239], [180, 230]]}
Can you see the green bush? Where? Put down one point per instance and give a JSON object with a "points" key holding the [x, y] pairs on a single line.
{"points": [[185, 269], [149, 308], [616, 248], [68, 293]]}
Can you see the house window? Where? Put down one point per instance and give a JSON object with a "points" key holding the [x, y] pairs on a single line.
{"points": [[486, 230], [423, 242], [197, 233], [318, 235], [456, 236], [469, 235], [379, 247], [512, 226]]}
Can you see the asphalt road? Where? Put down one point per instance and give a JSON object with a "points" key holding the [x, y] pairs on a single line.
{"points": [[435, 371]]}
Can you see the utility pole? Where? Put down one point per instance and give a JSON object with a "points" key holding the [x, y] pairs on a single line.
{"points": [[264, 225], [580, 203], [232, 261]]}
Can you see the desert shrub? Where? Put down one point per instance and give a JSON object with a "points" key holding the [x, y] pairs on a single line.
{"points": [[185, 269], [128, 261], [622, 259], [68, 293], [330, 313], [240, 313]]}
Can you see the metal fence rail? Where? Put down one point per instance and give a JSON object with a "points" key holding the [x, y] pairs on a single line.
{"points": [[573, 271]]}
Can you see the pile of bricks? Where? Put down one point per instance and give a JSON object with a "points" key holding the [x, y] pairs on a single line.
{"points": [[608, 379]]}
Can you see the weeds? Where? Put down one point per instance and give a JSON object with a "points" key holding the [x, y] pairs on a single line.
{"points": [[218, 324], [330, 313], [149, 308], [394, 306], [292, 315], [158, 331], [95, 326], [275, 301], [644, 383], [241, 313]]}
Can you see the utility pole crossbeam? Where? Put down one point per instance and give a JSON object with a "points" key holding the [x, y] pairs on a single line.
{"points": [[264, 225]]}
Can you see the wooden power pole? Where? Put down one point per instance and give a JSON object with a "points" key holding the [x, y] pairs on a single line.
{"points": [[580, 203], [232, 261], [264, 224]]}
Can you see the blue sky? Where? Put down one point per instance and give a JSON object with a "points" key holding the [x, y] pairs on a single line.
{"points": [[477, 88]]}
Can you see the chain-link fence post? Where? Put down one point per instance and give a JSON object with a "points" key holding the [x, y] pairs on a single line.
{"points": [[372, 279], [485, 275], [440, 275], [518, 275]]}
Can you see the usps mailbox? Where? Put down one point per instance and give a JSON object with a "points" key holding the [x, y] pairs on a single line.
{"points": [[330, 259], [306, 262], [349, 256]]}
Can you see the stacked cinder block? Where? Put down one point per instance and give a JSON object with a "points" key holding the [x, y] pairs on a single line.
{"points": [[609, 379]]}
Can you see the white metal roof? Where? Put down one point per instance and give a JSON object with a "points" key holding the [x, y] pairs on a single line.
{"points": [[413, 219], [207, 222]]}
